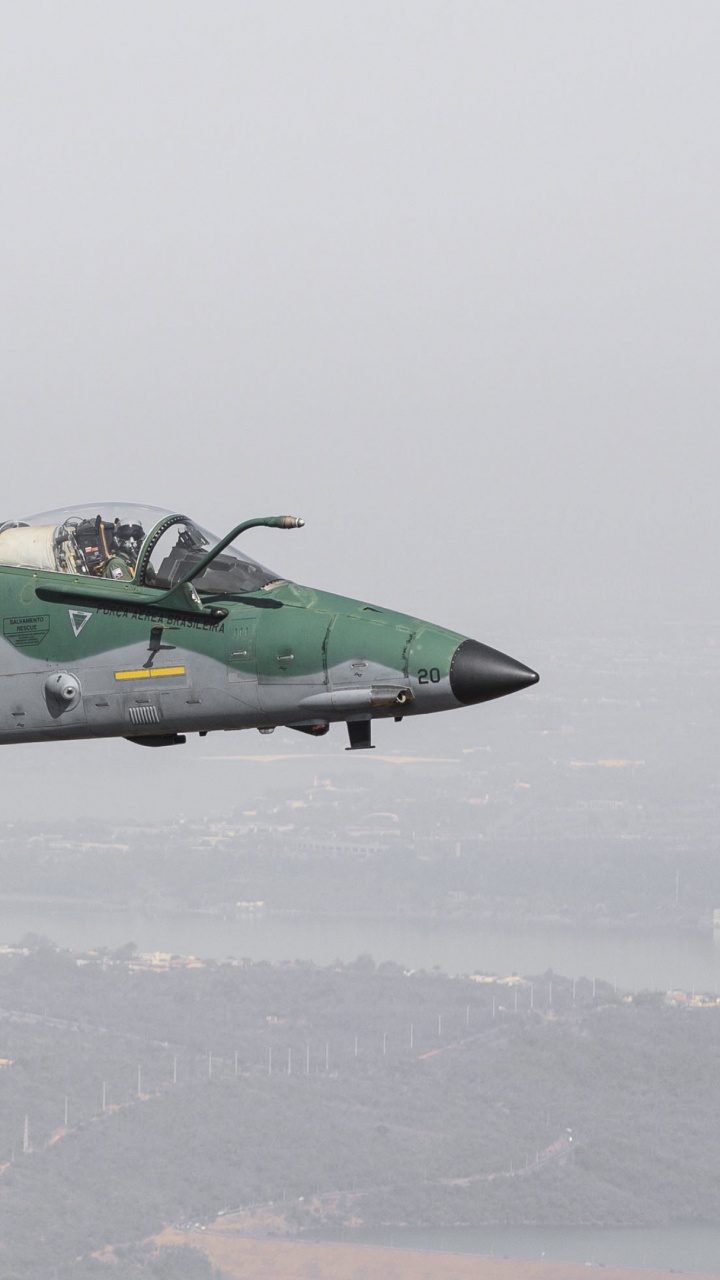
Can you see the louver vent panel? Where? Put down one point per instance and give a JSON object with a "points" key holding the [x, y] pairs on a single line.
{"points": [[144, 715]]}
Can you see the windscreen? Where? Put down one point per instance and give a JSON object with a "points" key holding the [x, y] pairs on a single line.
{"points": [[178, 545]]}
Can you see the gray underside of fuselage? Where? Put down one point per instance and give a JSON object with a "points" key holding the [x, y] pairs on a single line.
{"points": [[199, 694]]}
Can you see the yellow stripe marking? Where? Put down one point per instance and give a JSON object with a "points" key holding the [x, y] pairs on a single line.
{"points": [[144, 674]]}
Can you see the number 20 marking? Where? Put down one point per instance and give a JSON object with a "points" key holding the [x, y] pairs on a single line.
{"points": [[432, 676]]}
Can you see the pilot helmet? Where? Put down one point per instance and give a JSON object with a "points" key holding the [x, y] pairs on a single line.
{"points": [[128, 539]]}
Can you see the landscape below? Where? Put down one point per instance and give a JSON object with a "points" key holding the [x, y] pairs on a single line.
{"points": [[283, 1101]]}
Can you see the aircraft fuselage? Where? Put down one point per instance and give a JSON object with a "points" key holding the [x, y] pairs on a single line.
{"points": [[285, 656]]}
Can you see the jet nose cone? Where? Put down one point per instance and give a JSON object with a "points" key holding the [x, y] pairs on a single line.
{"points": [[479, 674]]}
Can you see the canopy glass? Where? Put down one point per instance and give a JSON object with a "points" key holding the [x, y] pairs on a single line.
{"points": [[126, 541]]}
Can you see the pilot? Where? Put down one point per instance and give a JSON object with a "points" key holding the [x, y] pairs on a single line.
{"points": [[125, 545]]}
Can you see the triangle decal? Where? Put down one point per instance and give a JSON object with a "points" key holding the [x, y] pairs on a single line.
{"points": [[78, 619]]}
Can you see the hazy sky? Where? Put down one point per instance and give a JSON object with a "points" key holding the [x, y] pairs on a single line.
{"points": [[440, 277]]}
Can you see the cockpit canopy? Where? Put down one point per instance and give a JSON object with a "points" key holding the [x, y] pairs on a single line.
{"points": [[125, 541]]}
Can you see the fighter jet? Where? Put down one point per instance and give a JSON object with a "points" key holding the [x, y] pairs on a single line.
{"points": [[134, 622]]}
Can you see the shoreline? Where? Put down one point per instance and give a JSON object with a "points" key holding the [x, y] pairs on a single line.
{"points": [[247, 1258]]}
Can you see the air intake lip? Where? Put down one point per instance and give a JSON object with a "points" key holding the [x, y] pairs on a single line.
{"points": [[480, 674]]}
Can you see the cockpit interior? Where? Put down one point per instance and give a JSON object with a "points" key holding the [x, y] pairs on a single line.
{"points": [[155, 548]]}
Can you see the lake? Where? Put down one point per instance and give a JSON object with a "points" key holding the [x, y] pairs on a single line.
{"points": [[678, 1248], [631, 961]]}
